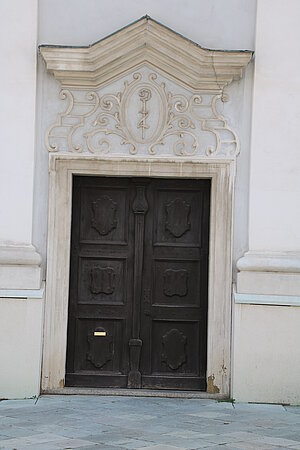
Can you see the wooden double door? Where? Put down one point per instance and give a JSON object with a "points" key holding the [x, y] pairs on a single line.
{"points": [[138, 283]]}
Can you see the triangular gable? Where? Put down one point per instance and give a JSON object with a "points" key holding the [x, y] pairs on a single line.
{"points": [[145, 41]]}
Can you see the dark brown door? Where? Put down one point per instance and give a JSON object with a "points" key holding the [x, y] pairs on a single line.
{"points": [[138, 283]]}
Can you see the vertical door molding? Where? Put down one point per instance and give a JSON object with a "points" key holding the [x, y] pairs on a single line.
{"points": [[140, 208]]}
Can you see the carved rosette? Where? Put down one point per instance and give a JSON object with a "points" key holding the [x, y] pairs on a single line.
{"points": [[145, 116]]}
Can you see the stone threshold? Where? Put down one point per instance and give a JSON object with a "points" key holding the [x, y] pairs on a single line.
{"points": [[133, 393]]}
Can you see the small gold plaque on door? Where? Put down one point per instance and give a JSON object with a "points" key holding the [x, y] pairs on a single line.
{"points": [[99, 333]]}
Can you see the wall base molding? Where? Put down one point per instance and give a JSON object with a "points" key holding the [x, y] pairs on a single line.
{"points": [[23, 293], [19, 267], [275, 300], [270, 262], [269, 273]]}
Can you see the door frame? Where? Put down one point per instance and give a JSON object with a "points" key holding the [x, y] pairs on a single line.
{"points": [[222, 176]]}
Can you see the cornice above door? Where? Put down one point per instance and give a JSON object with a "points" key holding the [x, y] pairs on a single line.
{"points": [[145, 41]]}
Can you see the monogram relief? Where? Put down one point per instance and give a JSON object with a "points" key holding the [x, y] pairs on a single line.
{"points": [[145, 95], [144, 116]]}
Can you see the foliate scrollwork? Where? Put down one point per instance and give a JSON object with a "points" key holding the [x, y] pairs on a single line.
{"points": [[64, 94], [226, 140], [94, 99], [144, 116], [176, 123], [109, 120], [72, 119]]}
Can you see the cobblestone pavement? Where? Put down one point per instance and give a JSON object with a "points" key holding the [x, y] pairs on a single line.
{"points": [[116, 423]]}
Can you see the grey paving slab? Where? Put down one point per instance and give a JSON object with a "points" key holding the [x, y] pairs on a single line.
{"points": [[163, 447], [131, 443], [101, 446], [16, 431], [118, 423]]}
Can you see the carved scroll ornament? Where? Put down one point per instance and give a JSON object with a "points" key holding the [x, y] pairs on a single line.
{"points": [[145, 117]]}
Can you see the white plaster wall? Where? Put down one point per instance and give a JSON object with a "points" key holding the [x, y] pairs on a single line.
{"points": [[275, 149], [213, 23], [266, 357], [20, 347], [18, 38]]}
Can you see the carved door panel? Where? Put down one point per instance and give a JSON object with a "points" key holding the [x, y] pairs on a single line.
{"points": [[138, 283], [175, 279]]}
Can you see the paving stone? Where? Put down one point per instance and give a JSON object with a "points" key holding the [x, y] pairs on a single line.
{"points": [[183, 442], [118, 423], [129, 444], [162, 447], [3, 437], [101, 446]]}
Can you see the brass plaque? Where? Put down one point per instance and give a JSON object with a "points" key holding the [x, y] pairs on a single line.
{"points": [[99, 333]]}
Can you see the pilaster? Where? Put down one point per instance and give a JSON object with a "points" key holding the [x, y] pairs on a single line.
{"points": [[266, 359], [21, 294]]}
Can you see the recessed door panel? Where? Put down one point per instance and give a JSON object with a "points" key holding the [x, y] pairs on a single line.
{"points": [[176, 282], [177, 218], [102, 280], [100, 345], [104, 213], [175, 344]]}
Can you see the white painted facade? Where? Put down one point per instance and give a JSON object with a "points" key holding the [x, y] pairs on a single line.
{"points": [[263, 110]]}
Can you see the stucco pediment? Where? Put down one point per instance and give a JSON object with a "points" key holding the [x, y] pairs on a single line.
{"points": [[145, 41], [144, 90]]}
